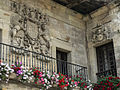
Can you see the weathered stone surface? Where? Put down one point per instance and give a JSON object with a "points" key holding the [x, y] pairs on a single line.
{"points": [[64, 26], [68, 30], [102, 28]]}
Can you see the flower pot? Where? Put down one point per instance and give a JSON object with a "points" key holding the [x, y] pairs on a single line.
{"points": [[12, 76]]}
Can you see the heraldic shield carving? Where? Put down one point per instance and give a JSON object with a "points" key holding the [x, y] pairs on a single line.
{"points": [[29, 29]]}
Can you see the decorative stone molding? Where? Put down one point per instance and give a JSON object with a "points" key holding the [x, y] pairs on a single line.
{"points": [[100, 33], [29, 28]]}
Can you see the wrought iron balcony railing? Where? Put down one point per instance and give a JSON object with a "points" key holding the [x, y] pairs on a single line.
{"points": [[112, 72], [11, 55]]}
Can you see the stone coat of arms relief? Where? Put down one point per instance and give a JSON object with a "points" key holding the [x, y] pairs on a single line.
{"points": [[100, 34], [29, 29]]}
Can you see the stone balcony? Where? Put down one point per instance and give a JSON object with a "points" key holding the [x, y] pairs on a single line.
{"points": [[11, 55]]}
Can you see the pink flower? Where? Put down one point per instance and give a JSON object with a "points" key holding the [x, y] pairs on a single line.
{"points": [[43, 82], [52, 78], [57, 80], [76, 83], [39, 81], [42, 79], [40, 75]]}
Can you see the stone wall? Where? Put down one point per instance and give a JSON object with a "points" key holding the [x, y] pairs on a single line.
{"points": [[103, 27], [19, 86], [66, 28]]}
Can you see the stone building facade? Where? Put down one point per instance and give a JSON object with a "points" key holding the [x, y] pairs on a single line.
{"points": [[45, 26], [102, 28]]}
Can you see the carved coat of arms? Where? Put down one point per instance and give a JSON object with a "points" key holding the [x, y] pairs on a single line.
{"points": [[28, 29], [100, 33]]}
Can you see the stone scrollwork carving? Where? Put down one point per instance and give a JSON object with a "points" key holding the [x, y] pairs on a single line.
{"points": [[29, 28], [100, 33]]}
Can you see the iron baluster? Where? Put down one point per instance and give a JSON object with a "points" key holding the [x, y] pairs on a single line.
{"points": [[9, 55], [3, 53], [32, 59], [6, 54]]}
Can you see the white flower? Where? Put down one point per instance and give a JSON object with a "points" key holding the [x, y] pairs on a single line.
{"points": [[53, 75], [43, 75], [44, 84], [28, 73], [12, 70], [6, 65], [48, 82], [24, 78], [24, 71], [28, 81], [45, 80], [7, 80], [30, 78], [47, 87], [50, 85], [3, 64], [48, 72], [48, 76], [51, 82], [89, 86], [22, 67], [71, 82], [7, 72], [65, 87], [6, 75]]}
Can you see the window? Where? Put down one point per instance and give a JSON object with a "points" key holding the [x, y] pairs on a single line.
{"points": [[61, 62], [106, 59]]}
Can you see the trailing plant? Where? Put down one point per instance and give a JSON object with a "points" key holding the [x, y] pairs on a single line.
{"points": [[35, 75], [107, 83], [5, 71]]}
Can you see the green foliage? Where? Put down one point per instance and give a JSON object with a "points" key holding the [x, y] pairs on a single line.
{"points": [[107, 83]]}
